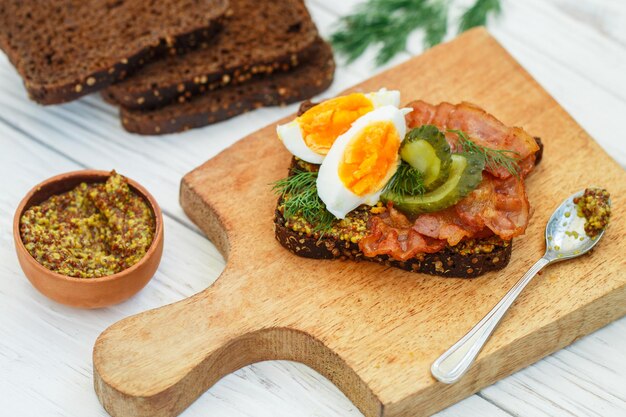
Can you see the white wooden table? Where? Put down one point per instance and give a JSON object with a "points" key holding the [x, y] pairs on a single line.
{"points": [[576, 49]]}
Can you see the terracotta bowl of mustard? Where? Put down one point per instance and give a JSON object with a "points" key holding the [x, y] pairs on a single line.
{"points": [[87, 292]]}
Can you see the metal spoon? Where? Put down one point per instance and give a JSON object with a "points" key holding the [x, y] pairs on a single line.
{"points": [[565, 239]]}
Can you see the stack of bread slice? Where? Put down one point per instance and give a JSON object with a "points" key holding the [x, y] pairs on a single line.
{"points": [[169, 65], [64, 49], [266, 53]]}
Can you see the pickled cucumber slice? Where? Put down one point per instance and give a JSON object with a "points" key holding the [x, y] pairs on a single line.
{"points": [[425, 148], [465, 175]]}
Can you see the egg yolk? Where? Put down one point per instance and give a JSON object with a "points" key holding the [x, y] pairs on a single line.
{"points": [[368, 157], [323, 123]]}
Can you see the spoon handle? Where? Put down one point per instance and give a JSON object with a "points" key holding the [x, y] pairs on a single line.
{"points": [[453, 364]]}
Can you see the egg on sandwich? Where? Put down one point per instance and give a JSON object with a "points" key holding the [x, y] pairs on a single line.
{"points": [[311, 135], [362, 161]]}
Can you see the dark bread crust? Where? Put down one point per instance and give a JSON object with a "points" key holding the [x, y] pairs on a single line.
{"points": [[58, 48], [256, 39], [446, 263], [301, 83]]}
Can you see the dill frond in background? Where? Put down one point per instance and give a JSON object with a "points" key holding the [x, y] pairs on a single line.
{"points": [[478, 13], [387, 25]]}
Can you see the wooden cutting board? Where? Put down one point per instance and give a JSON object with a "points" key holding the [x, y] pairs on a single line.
{"points": [[371, 330]]}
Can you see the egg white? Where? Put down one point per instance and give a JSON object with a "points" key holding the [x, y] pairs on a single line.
{"points": [[338, 199], [291, 134], [384, 97]]}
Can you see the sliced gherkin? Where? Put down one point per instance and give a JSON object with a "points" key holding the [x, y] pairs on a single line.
{"points": [[465, 175], [425, 148]]}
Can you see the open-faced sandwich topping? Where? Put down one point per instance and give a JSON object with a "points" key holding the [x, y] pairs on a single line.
{"points": [[431, 178], [454, 181], [481, 127], [362, 161]]}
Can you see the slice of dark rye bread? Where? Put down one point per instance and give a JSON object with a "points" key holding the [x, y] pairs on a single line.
{"points": [[452, 261], [64, 49], [302, 82], [469, 259], [257, 37]]}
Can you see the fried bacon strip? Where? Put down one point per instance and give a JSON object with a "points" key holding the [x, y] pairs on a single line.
{"points": [[497, 206], [481, 127], [445, 225], [391, 233]]}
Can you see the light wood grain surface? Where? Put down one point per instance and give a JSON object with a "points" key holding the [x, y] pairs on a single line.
{"points": [[575, 49]]}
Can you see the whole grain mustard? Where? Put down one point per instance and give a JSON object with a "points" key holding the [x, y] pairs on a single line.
{"points": [[91, 231], [594, 206]]}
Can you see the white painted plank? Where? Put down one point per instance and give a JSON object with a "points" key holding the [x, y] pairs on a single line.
{"points": [[565, 384], [606, 17], [595, 110], [580, 66], [473, 406]]}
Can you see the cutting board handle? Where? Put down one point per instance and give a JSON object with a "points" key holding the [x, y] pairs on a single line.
{"points": [[158, 362]]}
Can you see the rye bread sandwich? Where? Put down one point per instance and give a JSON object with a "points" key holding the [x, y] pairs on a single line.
{"points": [[280, 88], [256, 38], [64, 49], [435, 189]]}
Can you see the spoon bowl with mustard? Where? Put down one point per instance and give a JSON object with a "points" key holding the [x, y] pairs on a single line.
{"points": [[574, 228]]}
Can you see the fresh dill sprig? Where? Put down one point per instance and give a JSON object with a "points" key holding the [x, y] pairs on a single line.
{"points": [[407, 181], [387, 24], [478, 13], [493, 158], [299, 193]]}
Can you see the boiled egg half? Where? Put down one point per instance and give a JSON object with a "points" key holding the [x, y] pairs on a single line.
{"points": [[311, 135], [362, 161]]}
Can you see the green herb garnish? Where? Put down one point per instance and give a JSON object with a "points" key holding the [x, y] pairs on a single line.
{"points": [[478, 13], [299, 194], [388, 24], [407, 181], [493, 158]]}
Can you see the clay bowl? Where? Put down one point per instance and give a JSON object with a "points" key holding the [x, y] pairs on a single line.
{"points": [[87, 292]]}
